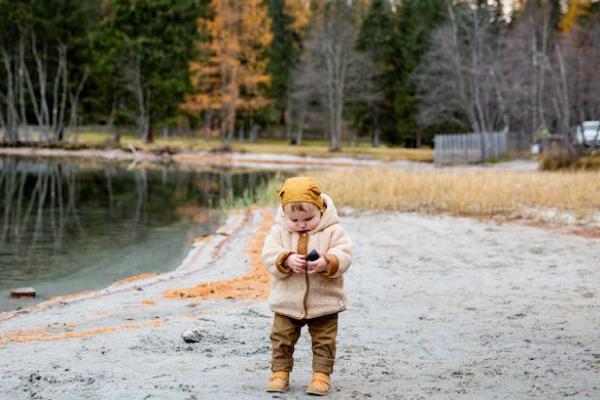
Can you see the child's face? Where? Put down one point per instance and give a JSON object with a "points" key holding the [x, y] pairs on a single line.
{"points": [[301, 216]]}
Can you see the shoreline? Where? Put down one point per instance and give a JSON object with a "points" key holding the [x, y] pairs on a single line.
{"points": [[199, 257], [255, 160], [234, 159]]}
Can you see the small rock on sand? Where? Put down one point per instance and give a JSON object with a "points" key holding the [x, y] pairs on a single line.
{"points": [[192, 336]]}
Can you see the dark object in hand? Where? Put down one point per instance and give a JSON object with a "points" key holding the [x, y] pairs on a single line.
{"points": [[312, 256]]}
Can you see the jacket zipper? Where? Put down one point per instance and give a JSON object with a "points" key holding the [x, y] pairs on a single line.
{"points": [[306, 294], [305, 234]]}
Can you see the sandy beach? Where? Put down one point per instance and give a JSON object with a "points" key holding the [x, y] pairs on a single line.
{"points": [[440, 308]]}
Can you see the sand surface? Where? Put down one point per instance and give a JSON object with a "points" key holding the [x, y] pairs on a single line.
{"points": [[440, 308]]}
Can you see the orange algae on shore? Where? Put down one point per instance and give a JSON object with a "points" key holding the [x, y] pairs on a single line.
{"points": [[253, 285], [67, 296], [43, 335]]}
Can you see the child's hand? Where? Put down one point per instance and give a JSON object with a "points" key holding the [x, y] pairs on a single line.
{"points": [[319, 265], [296, 263]]}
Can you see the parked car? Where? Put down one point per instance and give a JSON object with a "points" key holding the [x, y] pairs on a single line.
{"points": [[588, 134]]}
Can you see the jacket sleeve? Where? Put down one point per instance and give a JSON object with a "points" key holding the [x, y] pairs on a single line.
{"points": [[339, 254], [274, 254]]}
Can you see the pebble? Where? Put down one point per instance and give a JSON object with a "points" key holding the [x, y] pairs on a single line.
{"points": [[192, 336]]}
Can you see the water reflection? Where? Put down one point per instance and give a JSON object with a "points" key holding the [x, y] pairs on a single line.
{"points": [[67, 227]]}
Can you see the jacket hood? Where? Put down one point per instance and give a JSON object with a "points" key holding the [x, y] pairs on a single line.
{"points": [[329, 217]]}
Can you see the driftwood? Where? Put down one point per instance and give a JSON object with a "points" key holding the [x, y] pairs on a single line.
{"points": [[22, 292]]}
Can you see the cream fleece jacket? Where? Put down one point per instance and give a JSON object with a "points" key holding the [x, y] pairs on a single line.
{"points": [[303, 295]]}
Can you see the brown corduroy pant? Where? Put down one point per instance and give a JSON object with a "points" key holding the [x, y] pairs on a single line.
{"points": [[286, 332]]}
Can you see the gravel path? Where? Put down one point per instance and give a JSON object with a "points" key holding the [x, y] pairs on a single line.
{"points": [[441, 308]]}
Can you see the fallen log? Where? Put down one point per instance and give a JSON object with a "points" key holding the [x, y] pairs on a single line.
{"points": [[22, 292]]}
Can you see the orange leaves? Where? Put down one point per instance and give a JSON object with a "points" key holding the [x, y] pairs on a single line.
{"points": [[576, 9], [253, 285], [300, 12], [231, 71]]}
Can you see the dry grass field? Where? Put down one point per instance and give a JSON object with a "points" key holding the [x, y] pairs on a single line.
{"points": [[466, 193]]}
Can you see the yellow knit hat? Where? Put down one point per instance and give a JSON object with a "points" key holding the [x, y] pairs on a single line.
{"points": [[302, 189]]}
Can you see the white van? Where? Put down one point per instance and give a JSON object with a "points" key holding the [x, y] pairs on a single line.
{"points": [[588, 133]]}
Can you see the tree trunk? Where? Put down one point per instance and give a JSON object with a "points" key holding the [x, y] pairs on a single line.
{"points": [[21, 88], [37, 111], [60, 124], [337, 133], [2, 124], [376, 130], [42, 82], [143, 99], [144, 128], [117, 135], [55, 89], [74, 100], [288, 132], [287, 119], [282, 116], [301, 120], [12, 117], [241, 132], [230, 109], [150, 136], [229, 125], [208, 121]]}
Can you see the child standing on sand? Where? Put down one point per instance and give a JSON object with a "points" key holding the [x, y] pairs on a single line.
{"points": [[305, 290]]}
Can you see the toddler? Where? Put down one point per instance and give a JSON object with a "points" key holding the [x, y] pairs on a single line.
{"points": [[305, 292]]}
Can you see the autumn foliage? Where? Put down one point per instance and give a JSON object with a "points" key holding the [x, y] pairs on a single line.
{"points": [[575, 9], [230, 74]]}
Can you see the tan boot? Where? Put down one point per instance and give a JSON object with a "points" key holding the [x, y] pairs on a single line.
{"points": [[279, 382], [320, 385]]}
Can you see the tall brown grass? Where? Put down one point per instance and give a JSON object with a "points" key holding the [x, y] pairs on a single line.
{"points": [[572, 162], [473, 193], [321, 149]]}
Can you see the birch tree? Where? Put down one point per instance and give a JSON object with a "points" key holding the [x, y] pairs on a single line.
{"points": [[44, 60]]}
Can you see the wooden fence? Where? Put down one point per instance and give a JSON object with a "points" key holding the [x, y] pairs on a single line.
{"points": [[469, 147]]}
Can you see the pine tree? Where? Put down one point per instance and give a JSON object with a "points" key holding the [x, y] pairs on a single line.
{"points": [[416, 19], [375, 38], [148, 45], [289, 21]]}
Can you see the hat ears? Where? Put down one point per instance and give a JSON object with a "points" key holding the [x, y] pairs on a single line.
{"points": [[281, 192]]}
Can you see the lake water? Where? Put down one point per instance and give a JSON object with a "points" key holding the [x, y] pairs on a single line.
{"points": [[66, 227]]}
